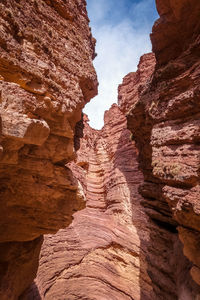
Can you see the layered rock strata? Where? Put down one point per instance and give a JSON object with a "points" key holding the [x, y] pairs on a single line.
{"points": [[99, 255], [46, 77], [112, 250], [163, 115], [125, 243]]}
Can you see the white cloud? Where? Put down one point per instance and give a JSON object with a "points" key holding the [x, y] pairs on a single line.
{"points": [[119, 47], [98, 9]]}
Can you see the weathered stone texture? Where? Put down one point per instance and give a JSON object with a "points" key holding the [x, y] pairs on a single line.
{"points": [[18, 266], [112, 250], [46, 77], [99, 255], [141, 221], [126, 245], [164, 120]]}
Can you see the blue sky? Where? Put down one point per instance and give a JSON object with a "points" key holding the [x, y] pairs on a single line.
{"points": [[122, 29]]}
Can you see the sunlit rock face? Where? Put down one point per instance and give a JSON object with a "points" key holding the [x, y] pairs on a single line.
{"points": [[140, 224], [46, 77], [112, 250], [163, 117], [102, 254], [141, 187]]}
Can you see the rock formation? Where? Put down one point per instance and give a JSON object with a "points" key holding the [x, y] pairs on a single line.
{"points": [[164, 117], [46, 77], [138, 237], [113, 250], [99, 255], [125, 243]]}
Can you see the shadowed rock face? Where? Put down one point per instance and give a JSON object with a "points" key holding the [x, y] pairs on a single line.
{"points": [[175, 30], [46, 77], [164, 116], [99, 255], [125, 244], [112, 250], [138, 184]]}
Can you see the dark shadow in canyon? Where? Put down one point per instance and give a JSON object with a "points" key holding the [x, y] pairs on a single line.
{"points": [[161, 255], [162, 272], [32, 293], [78, 133]]}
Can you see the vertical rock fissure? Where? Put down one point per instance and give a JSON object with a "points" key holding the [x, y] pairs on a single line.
{"points": [[138, 188]]}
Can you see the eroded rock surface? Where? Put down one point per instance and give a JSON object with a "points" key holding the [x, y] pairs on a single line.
{"points": [[141, 221], [98, 256], [164, 116], [46, 77], [112, 250]]}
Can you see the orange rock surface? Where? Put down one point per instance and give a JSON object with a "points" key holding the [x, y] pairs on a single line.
{"points": [[99, 255], [125, 245], [112, 250], [138, 236], [46, 77], [164, 120]]}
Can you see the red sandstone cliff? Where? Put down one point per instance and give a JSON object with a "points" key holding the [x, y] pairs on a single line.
{"points": [[163, 116], [46, 77], [112, 250], [124, 244], [99, 255]]}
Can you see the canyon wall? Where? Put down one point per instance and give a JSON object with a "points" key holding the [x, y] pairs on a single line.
{"points": [[100, 256], [113, 249], [164, 117], [138, 237], [46, 77]]}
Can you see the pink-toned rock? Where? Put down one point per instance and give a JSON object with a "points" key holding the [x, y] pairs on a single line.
{"points": [[112, 250], [141, 187], [128, 91], [164, 120], [126, 245], [99, 254], [46, 78], [172, 32]]}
